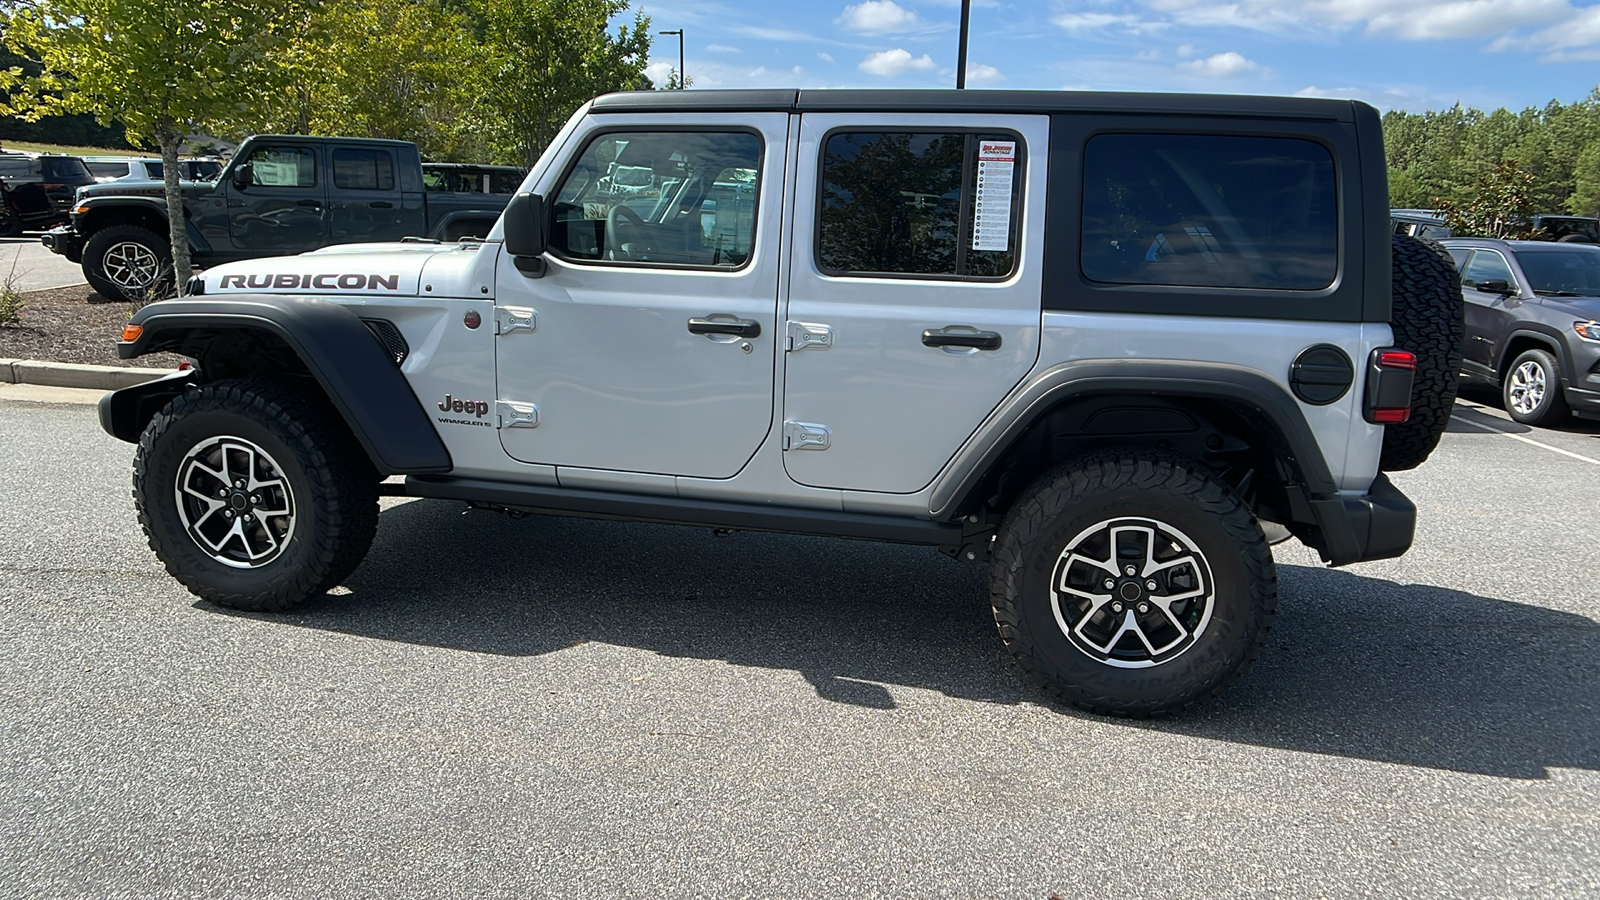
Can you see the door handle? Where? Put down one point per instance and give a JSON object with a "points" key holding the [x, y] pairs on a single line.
{"points": [[381, 204], [944, 337], [312, 203], [745, 328]]}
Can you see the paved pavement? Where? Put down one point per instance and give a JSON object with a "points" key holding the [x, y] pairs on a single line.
{"points": [[36, 268], [566, 708]]}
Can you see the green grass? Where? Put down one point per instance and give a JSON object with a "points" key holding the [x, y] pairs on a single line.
{"points": [[32, 147]]}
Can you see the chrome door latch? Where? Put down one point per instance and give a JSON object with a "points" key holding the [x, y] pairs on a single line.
{"points": [[806, 436], [515, 318], [515, 414], [808, 336]]}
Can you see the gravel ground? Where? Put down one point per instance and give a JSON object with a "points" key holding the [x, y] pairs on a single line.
{"points": [[74, 324]]}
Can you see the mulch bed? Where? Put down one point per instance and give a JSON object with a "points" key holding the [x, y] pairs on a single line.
{"points": [[74, 324]]}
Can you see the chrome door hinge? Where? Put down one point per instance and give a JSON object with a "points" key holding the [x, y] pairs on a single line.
{"points": [[513, 318], [805, 436], [808, 336], [515, 414]]}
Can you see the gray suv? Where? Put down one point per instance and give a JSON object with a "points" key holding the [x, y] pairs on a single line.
{"points": [[1104, 344]]}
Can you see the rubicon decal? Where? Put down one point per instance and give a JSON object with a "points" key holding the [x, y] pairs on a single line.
{"points": [[327, 281]]}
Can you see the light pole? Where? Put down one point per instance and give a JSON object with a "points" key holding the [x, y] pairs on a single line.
{"points": [[961, 63], [679, 33]]}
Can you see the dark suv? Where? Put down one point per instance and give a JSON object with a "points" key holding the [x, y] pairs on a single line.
{"points": [[38, 189], [1532, 309]]}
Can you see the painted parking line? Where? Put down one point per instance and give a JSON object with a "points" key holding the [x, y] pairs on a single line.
{"points": [[1517, 437]]}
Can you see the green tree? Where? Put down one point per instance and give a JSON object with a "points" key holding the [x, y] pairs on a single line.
{"points": [[1501, 205], [1585, 199], [542, 59], [162, 68]]}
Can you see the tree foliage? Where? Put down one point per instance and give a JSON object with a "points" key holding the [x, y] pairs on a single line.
{"points": [[1447, 158], [1500, 205], [162, 68]]}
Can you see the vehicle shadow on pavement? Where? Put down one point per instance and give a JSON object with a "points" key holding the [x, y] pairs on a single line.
{"points": [[1356, 667]]}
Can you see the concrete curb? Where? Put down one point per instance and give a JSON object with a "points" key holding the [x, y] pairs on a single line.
{"points": [[75, 375]]}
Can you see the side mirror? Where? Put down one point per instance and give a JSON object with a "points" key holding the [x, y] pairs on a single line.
{"points": [[524, 226], [243, 176], [1496, 286]]}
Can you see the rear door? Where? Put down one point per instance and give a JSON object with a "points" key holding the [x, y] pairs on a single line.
{"points": [[914, 290], [365, 201], [283, 209]]}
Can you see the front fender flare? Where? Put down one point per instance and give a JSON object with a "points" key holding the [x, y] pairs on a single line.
{"points": [[347, 360]]}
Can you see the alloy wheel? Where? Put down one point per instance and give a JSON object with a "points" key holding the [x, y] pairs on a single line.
{"points": [[1528, 386], [131, 265], [235, 502]]}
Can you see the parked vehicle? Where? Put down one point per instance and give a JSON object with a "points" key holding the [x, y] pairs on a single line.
{"points": [[1567, 229], [1533, 324], [1422, 223], [38, 189], [280, 194], [1098, 342], [139, 168], [471, 178]]}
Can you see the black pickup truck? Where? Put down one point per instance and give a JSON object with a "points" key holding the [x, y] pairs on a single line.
{"points": [[280, 195]]}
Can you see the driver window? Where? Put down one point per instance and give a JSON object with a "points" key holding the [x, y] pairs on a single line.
{"points": [[660, 198], [1487, 265], [291, 167]]}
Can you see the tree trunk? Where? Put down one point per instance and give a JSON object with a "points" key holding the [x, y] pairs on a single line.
{"points": [[168, 136]]}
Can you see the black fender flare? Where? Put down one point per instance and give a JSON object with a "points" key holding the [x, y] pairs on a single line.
{"points": [[87, 222], [350, 364], [1545, 336]]}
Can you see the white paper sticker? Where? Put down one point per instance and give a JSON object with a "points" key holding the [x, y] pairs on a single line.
{"points": [[991, 227]]}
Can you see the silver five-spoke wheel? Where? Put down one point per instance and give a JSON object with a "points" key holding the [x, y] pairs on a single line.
{"points": [[1528, 384], [234, 502], [1132, 592], [131, 265]]}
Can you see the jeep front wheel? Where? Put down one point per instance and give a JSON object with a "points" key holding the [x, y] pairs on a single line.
{"points": [[1133, 584], [253, 495], [128, 262]]}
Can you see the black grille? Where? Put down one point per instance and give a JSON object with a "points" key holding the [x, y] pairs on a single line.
{"points": [[390, 337]]}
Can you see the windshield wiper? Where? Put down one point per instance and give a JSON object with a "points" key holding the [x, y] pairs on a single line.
{"points": [[1560, 293]]}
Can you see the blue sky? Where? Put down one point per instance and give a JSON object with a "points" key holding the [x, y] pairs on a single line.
{"points": [[1395, 54]]}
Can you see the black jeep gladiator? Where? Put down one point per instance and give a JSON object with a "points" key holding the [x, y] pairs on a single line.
{"points": [[281, 194]]}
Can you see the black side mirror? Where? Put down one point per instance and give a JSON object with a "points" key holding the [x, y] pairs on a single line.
{"points": [[1496, 286], [524, 229], [243, 176]]}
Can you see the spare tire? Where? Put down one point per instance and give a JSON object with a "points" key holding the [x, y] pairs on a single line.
{"points": [[1427, 318]]}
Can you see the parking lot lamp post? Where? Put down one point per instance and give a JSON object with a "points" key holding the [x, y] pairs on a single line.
{"points": [[681, 77], [961, 53]]}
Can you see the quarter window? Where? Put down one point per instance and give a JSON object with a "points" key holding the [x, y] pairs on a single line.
{"points": [[919, 204], [661, 198], [1209, 211], [293, 167], [363, 170]]}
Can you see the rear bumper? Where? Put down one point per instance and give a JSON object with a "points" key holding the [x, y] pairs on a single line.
{"points": [[1379, 525]]}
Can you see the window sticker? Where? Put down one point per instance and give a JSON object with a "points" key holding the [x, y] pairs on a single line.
{"points": [[991, 226]]}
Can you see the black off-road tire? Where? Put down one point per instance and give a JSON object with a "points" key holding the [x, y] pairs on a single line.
{"points": [[10, 221], [1428, 319], [109, 239], [1551, 407], [1079, 496], [334, 491]]}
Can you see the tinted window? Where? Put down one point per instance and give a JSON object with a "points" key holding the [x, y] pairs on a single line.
{"points": [[1209, 211], [1486, 265], [202, 169], [666, 197], [898, 203], [66, 168], [284, 167], [504, 182], [363, 170], [17, 167], [107, 169], [1571, 271]]}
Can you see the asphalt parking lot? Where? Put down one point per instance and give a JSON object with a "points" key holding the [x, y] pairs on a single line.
{"points": [[564, 708], [34, 266]]}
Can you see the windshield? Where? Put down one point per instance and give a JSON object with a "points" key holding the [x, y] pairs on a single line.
{"points": [[1568, 270]]}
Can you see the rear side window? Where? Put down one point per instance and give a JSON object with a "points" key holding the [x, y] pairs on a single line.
{"points": [[919, 204], [108, 169], [17, 167], [68, 168], [1209, 211], [363, 170]]}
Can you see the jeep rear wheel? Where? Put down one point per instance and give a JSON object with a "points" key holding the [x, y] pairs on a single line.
{"points": [[1428, 318], [253, 494], [1132, 584], [128, 262]]}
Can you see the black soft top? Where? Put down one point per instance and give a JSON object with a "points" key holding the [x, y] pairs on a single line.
{"points": [[951, 101]]}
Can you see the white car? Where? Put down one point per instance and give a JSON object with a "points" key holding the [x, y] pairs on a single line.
{"points": [[144, 168]]}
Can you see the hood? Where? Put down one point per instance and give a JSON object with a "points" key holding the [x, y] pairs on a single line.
{"points": [[374, 270], [1578, 307], [143, 189]]}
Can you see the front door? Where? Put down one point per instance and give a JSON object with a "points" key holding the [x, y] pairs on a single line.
{"points": [[648, 343], [1490, 314], [284, 207], [914, 297]]}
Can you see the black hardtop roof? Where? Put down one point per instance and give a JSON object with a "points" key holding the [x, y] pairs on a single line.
{"points": [[328, 139], [937, 101]]}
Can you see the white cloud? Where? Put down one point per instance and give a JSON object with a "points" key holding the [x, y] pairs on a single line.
{"points": [[878, 17], [1185, 50], [1084, 22], [722, 48], [1575, 39], [1466, 18], [978, 73], [889, 63], [1222, 65], [825, 57], [659, 72]]}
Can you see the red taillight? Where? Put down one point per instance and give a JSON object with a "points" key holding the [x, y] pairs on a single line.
{"points": [[1391, 416], [1397, 359]]}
